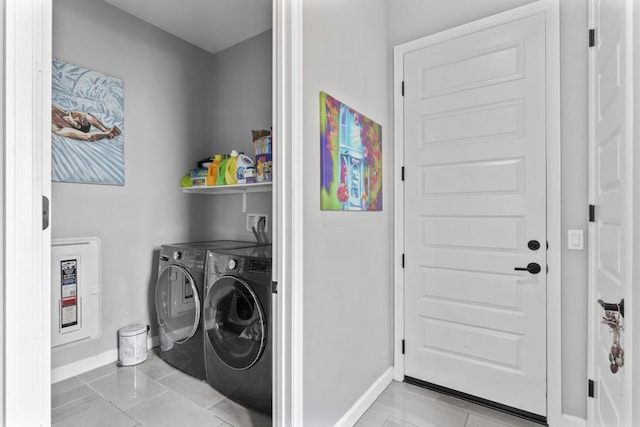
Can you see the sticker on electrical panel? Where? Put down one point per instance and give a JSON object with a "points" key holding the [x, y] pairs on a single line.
{"points": [[69, 289]]}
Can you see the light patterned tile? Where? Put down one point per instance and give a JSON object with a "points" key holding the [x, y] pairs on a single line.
{"points": [[476, 421], [481, 413], [372, 418], [420, 410], [99, 372], [154, 367], [239, 416], [395, 422], [169, 410], [91, 410], [193, 389], [67, 391], [127, 388], [400, 388]]}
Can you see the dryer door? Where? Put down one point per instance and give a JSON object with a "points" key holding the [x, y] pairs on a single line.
{"points": [[177, 304], [235, 322]]}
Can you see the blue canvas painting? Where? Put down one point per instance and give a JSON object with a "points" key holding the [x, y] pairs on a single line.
{"points": [[351, 158], [87, 126]]}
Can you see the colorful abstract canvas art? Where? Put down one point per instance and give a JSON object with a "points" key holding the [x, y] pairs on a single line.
{"points": [[87, 125], [351, 158]]}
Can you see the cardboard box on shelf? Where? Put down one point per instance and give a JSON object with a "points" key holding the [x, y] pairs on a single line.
{"points": [[199, 176], [264, 168], [262, 145], [262, 149]]}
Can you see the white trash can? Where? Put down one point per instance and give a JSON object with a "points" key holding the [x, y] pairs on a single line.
{"points": [[132, 344]]}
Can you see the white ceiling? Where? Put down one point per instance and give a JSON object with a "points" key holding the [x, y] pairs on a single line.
{"points": [[212, 25]]}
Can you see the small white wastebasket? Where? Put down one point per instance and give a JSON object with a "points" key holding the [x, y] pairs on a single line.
{"points": [[132, 344]]}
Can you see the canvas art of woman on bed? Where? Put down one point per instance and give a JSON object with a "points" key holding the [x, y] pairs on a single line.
{"points": [[78, 124]]}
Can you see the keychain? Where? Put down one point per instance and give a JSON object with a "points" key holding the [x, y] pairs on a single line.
{"points": [[616, 356]]}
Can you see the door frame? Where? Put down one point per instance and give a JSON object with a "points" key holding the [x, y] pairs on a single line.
{"points": [[550, 8], [26, 250], [26, 247], [287, 211]]}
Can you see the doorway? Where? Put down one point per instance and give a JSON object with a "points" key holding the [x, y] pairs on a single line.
{"points": [[477, 114], [26, 343]]}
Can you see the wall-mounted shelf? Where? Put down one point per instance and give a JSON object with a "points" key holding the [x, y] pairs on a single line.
{"points": [[259, 187]]}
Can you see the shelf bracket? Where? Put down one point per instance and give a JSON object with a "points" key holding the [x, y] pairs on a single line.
{"points": [[244, 201]]}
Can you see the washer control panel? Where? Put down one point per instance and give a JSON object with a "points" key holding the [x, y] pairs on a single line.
{"points": [[186, 258]]}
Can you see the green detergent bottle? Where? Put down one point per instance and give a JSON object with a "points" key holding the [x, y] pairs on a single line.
{"points": [[222, 168], [231, 171]]}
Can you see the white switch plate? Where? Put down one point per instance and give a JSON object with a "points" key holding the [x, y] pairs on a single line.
{"points": [[575, 240]]}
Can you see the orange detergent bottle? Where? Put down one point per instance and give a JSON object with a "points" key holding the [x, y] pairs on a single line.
{"points": [[212, 173]]}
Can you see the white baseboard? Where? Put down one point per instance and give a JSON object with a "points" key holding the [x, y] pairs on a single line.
{"points": [[571, 421], [81, 366], [85, 365], [366, 400]]}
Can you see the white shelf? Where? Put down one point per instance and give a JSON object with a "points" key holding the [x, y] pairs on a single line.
{"points": [[258, 187]]}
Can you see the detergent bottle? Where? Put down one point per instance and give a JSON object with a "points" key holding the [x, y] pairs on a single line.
{"points": [[222, 168], [230, 176], [212, 173], [245, 169]]}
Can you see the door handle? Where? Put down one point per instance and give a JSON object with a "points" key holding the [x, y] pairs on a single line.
{"points": [[532, 267], [619, 307]]}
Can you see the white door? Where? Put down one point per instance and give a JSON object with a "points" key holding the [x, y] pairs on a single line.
{"points": [[27, 247], [610, 248], [475, 213]]}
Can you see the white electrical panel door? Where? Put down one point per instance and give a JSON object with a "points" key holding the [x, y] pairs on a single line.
{"points": [[75, 290]]}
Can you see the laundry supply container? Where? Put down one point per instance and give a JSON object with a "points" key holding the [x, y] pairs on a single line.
{"points": [[132, 344]]}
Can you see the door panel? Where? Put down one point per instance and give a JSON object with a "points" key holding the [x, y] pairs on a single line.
{"points": [[177, 304], [235, 323], [610, 249], [475, 194]]}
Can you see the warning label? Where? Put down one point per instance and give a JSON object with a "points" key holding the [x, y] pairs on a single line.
{"points": [[69, 292]]}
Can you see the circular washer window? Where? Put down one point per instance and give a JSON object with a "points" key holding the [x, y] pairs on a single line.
{"points": [[235, 323], [177, 303]]}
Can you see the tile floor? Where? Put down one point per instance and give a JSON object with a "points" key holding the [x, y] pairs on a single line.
{"points": [[406, 405], [154, 394]]}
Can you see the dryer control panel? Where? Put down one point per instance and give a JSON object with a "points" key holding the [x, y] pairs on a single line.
{"points": [[259, 266], [244, 265]]}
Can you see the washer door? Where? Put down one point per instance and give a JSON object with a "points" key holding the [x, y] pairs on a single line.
{"points": [[177, 303], [235, 323]]}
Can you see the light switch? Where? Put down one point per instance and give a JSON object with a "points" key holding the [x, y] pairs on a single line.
{"points": [[575, 241]]}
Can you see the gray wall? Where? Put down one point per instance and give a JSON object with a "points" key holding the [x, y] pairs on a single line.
{"points": [[575, 185], [412, 19], [635, 296], [241, 93], [182, 104], [240, 100], [347, 276], [166, 113], [2, 208]]}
